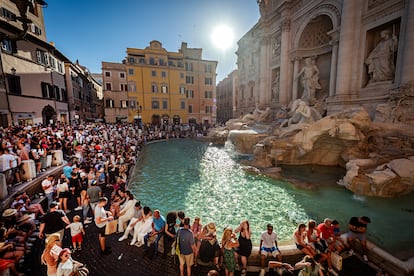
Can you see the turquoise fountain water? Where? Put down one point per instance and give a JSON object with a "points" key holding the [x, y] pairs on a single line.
{"points": [[208, 182]]}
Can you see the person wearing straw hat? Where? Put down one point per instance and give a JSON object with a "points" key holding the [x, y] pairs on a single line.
{"points": [[51, 253]]}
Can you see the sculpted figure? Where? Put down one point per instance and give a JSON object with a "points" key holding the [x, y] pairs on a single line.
{"points": [[301, 113], [310, 80], [381, 60]]}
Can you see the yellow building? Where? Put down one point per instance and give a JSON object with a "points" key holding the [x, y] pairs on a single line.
{"points": [[170, 87]]}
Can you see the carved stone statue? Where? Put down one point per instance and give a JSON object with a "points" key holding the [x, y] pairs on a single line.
{"points": [[257, 115], [310, 80], [381, 60], [275, 87], [301, 113]]}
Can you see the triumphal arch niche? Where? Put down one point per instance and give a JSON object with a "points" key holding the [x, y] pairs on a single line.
{"points": [[312, 59]]}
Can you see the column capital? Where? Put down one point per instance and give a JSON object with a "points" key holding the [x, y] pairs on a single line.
{"points": [[285, 24]]}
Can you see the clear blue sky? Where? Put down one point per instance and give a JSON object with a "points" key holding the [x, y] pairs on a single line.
{"points": [[93, 31]]}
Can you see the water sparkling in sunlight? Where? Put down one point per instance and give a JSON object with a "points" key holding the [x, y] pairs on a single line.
{"points": [[208, 182]]}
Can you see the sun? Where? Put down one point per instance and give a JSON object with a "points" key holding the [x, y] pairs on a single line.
{"points": [[222, 37]]}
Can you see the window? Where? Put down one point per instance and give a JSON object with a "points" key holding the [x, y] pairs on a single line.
{"points": [[162, 63], [182, 104], [52, 61], [189, 66], [7, 14], [107, 74], [208, 68], [182, 90], [14, 84], [57, 92], [208, 109], [164, 104], [179, 64], [154, 88], [181, 75], [60, 67], [153, 73], [122, 75], [130, 71], [208, 94], [132, 87], [35, 29], [190, 109], [163, 74], [110, 103], [124, 87], [132, 104], [124, 104], [251, 92], [171, 64], [189, 79], [9, 46], [208, 81], [152, 61], [64, 94], [108, 86], [155, 104], [190, 94], [164, 89], [42, 57], [142, 60], [131, 60]]}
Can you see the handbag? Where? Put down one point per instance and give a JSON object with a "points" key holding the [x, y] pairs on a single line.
{"points": [[80, 269], [177, 244], [111, 227], [336, 260]]}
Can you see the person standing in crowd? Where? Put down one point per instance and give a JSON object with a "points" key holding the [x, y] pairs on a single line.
{"points": [[47, 186], [268, 246], [101, 218], [229, 242], [357, 230], [245, 247], [186, 243], [48, 258], [53, 222]]}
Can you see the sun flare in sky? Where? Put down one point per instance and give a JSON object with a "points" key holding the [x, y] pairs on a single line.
{"points": [[222, 37]]}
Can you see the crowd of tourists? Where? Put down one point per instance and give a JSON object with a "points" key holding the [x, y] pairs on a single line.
{"points": [[94, 184]]}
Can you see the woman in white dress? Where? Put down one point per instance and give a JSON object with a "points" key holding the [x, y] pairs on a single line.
{"points": [[142, 227]]}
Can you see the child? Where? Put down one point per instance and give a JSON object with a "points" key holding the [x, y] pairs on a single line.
{"points": [[77, 232]]}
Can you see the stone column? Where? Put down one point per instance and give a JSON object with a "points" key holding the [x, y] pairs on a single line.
{"points": [[295, 80], [334, 61], [285, 96], [406, 70], [346, 51], [264, 82]]}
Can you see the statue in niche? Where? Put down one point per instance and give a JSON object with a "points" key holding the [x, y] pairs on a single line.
{"points": [[276, 46], [275, 87], [381, 60], [310, 80], [301, 113]]}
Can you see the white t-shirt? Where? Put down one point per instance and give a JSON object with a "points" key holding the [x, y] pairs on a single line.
{"points": [[46, 183], [100, 212], [75, 228], [268, 240]]}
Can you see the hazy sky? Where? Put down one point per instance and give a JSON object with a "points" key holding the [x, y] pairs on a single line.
{"points": [[93, 31]]}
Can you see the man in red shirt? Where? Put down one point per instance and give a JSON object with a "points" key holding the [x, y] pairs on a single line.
{"points": [[326, 233]]}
